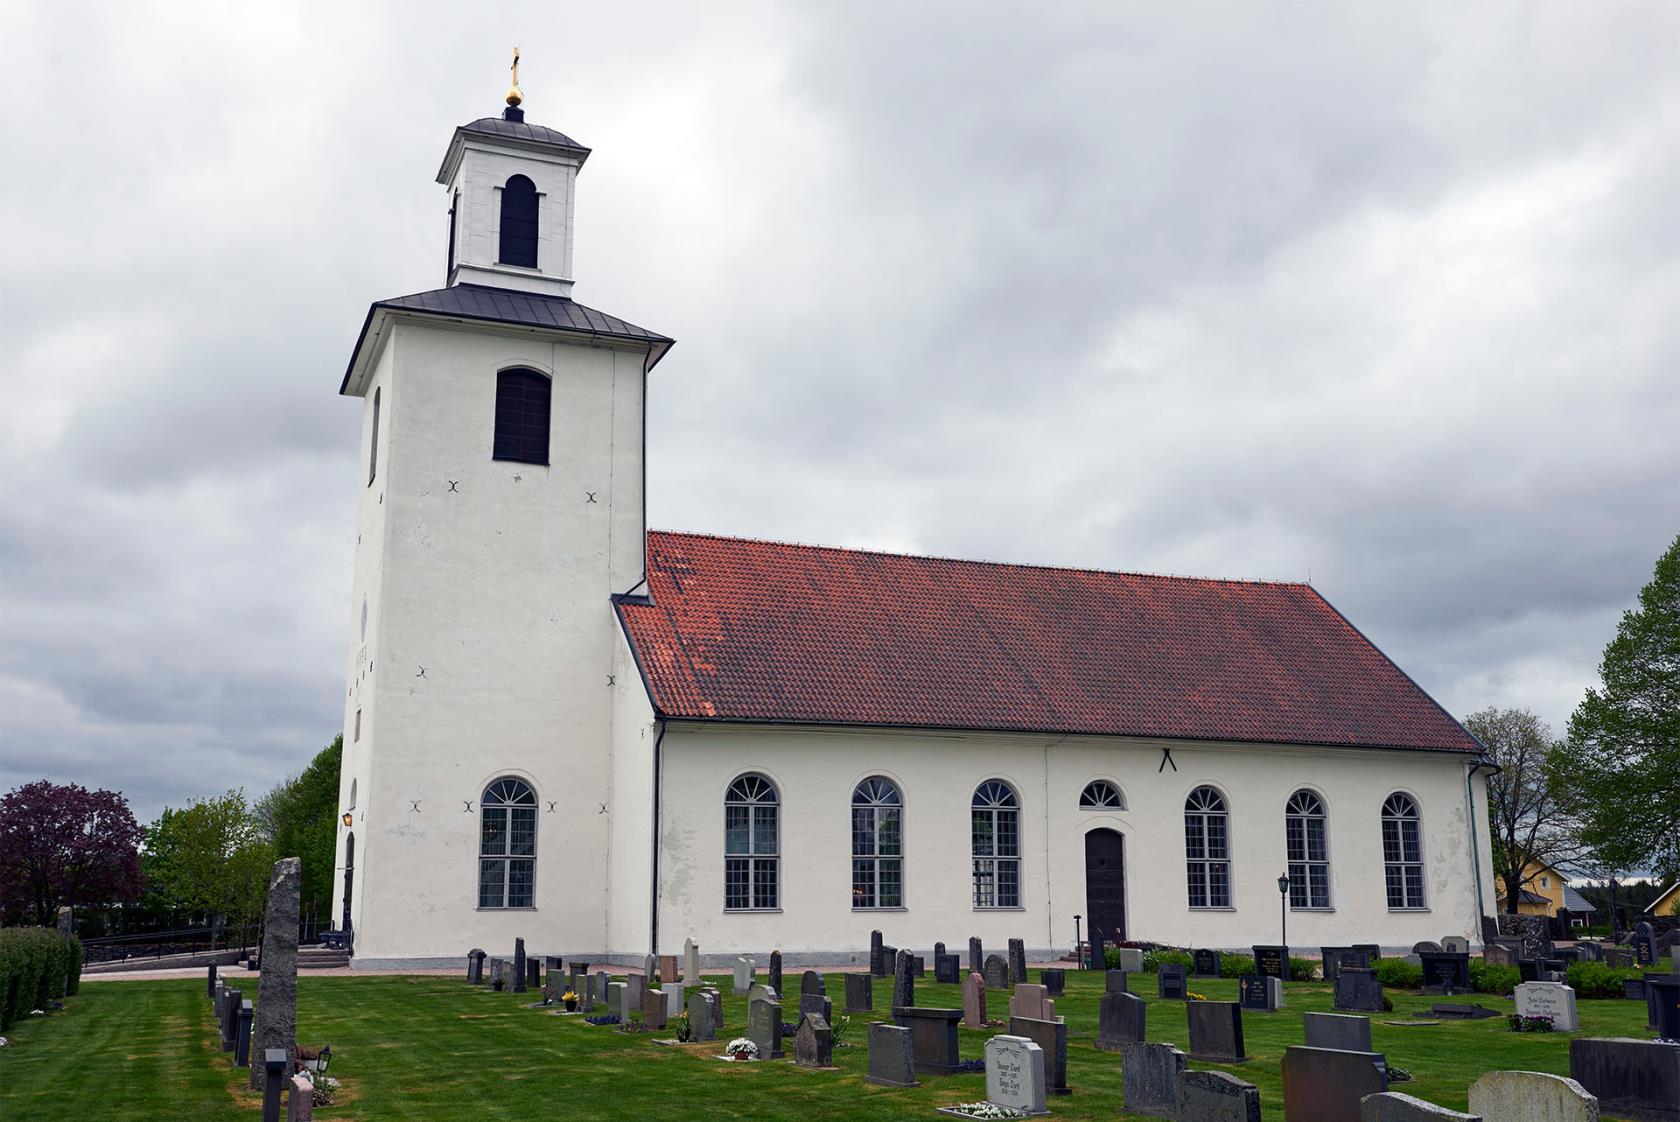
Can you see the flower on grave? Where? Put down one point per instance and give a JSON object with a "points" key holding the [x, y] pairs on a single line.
{"points": [[1194, 996], [1523, 1023], [741, 1049], [37, 1012], [568, 996], [986, 1110], [4, 1042], [839, 1029]]}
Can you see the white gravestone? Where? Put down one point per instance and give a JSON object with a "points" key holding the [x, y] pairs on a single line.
{"points": [[1015, 1074], [1531, 1096], [1549, 999], [744, 971]]}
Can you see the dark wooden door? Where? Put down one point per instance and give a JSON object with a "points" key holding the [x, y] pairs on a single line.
{"points": [[349, 875], [1105, 884]]}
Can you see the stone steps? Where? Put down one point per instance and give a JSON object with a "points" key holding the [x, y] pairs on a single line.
{"points": [[321, 958]]}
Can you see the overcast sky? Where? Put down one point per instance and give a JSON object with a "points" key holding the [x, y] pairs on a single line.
{"points": [[1383, 295]]}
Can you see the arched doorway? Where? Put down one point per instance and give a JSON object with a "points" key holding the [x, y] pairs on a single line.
{"points": [[1105, 884], [349, 875]]}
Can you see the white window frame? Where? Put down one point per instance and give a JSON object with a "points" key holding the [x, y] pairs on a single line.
{"points": [[995, 852], [510, 799], [1207, 848], [1305, 807], [1399, 810], [1102, 794], [877, 800], [752, 872]]}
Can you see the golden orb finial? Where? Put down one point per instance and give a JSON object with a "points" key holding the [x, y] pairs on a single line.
{"points": [[514, 97]]}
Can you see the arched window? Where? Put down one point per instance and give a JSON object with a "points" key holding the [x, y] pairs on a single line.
{"points": [[1402, 852], [373, 445], [519, 223], [877, 845], [507, 845], [1309, 852], [996, 835], [1207, 849], [751, 845], [1100, 794], [522, 399]]}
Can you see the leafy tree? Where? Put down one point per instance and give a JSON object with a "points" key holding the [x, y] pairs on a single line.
{"points": [[300, 819], [1531, 826], [211, 858], [1621, 766], [64, 844]]}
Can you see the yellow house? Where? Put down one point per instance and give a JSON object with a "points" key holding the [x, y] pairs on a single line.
{"points": [[1546, 892], [1667, 904]]}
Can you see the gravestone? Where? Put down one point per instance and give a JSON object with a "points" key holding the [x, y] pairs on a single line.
{"points": [[1498, 954], [1633, 989], [1170, 981], [1662, 1004], [1445, 973], [598, 993], [1427, 946], [496, 973], [654, 1008], [892, 1063], [1216, 1031], [618, 1001], [229, 1024], [812, 982], [1272, 962], [676, 1001], [210, 978], [691, 961], [557, 976], [1637, 1079], [889, 957], [1121, 1018], [276, 1061], [813, 1042], [875, 945], [1337, 1031], [1528, 970], [701, 1020], [475, 967], [976, 957], [1018, 962], [1339, 958], [533, 974], [938, 949], [947, 968], [1114, 981], [764, 1027], [1263, 995], [744, 975], [860, 993], [1549, 999], [904, 982], [774, 974], [1032, 1001], [1053, 981], [933, 1038], [974, 1001], [1455, 944], [519, 973], [1358, 991], [1015, 1074], [1097, 958], [1217, 1096], [1392, 1106], [650, 968], [1052, 1037], [1590, 952], [1371, 951], [300, 1099], [1206, 964], [997, 972], [1149, 1079], [1644, 945], [242, 1036], [716, 1003], [667, 968], [817, 1003], [276, 1018], [917, 966], [1131, 960], [1327, 1085], [637, 986], [762, 992], [577, 978], [1527, 1096]]}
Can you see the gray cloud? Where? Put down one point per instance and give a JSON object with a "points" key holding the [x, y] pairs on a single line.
{"points": [[1386, 296]]}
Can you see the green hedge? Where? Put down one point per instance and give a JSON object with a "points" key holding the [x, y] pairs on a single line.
{"points": [[1397, 973], [1595, 979], [1230, 965], [37, 966]]}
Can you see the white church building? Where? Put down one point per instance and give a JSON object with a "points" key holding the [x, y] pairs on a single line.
{"points": [[562, 726]]}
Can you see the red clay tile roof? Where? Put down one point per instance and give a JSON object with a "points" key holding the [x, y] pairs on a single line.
{"points": [[763, 631]]}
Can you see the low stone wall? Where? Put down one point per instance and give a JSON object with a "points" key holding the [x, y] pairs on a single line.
{"points": [[167, 962]]}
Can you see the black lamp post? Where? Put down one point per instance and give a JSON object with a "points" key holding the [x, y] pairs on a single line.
{"points": [[1283, 914], [1076, 942]]}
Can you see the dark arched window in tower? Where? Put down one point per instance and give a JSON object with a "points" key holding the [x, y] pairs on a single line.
{"points": [[522, 398], [519, 223], [373, 445]]}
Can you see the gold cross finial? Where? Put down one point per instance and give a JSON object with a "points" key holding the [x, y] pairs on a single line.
{"points": [[514, 97]]}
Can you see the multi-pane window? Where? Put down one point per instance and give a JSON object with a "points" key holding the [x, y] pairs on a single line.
{"points": [[519, 223], [1309, 852], [1100, 794], [1207, 849], [522, 416], [507, 845], [877, 845], [1402, 852], [751, 844], [996, 834]]}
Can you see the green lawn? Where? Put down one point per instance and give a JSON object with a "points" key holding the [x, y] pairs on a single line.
{"points": [[434, 1048]]}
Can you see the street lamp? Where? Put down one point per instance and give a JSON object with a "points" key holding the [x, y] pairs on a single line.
{"points": [[1076, 942], [1283, 912]]}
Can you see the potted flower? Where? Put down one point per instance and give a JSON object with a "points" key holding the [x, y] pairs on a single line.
{"points": [[741, 1049], [571, 1000]]}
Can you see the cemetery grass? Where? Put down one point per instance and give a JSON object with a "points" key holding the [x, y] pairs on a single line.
{"points": [[428, 1048]]}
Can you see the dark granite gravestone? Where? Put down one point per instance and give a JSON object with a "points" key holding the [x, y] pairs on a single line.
{"points": [[1446, 1011], [1590, 952], [812, 981], [1554, 970], [1343, 957], [533, 973], [947, 969], [904, 981], [1337, 1031], [974, 1001], [210, 980], [917, 966], [1054, 982], [496, 972], [1052, 1037], [1638, 1079], [818, 1003], [1358, 991], [702, 1022], [875, 946], [1662, 1004], [1121, 1020], [519, 966], [555, 967], [577, 980], [764, 1027], [1272, 962], [273, 1069], [1206, 964], [229, 1020], [1216, 1031], [1170, 981], [976, 956], [775, 973], [242, 1036], [1263, 995], [1633, 989], [1445, 973], [860, 993], [933, 1038], [938, 949], [889, 959], [1114, 981], [892, 1060], [717, 1006], [997, 972], [1528, 970], [1017, 962], [1330, 960], [1097, 958], [276, 1018], [1498, 954], [1327, 1085], [1217, 1096], [1392, 1106], [1149, 1079], [813, 1042], [1371, 951], [1644, 944]]}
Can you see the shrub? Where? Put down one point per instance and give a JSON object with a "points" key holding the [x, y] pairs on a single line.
{"points": [[1302, 969], [1236, 965], [1152, 960], [1487, 977], [1521, 1023], [37, 966], [1595, 979], [78, 955], [1398, 973]]}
